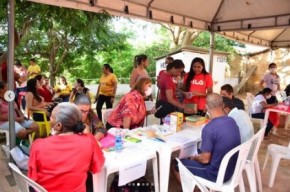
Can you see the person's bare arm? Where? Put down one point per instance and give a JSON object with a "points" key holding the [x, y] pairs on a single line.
{"points": [[126, 122], [203, 158], [262, 83], [133, 77], [170, 99], [29, 101]]}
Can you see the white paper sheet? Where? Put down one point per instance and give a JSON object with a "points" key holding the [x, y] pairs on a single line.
{"points": [[131, 171], [188, 150], [178, 138]]}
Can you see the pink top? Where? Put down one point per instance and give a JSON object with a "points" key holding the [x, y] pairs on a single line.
{"points": [[131, 105], [61, 163], [4, 109]]}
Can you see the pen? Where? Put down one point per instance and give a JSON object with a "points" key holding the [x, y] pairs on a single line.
{"points": [[158, 139]]}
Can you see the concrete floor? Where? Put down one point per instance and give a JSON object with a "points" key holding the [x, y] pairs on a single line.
{"points": [[281, 184]]}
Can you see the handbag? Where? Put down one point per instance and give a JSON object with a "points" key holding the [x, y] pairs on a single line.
{"points": [[166, 108]]}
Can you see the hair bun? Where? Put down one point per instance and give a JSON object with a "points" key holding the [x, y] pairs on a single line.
{"points": [[79, 127]]}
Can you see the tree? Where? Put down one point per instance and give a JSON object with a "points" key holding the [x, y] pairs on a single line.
{"points": [[181, 36], [62, 38]]}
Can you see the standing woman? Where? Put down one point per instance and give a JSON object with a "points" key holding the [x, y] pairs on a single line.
{"points": [[106, 90], [139, 71], [271, 80], [198, 84]]}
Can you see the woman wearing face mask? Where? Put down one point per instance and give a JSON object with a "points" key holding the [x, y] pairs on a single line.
{"points": [[131, 110], [260, 105], [272, 81], [68, 155]]}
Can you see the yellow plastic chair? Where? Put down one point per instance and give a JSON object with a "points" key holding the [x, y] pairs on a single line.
{"points": [[43, 125]]}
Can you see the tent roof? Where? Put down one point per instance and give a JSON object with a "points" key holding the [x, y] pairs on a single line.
{"points": [[263, 22]]}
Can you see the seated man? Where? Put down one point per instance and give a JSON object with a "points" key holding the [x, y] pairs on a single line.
{"points": [[228, 91], [241, 117], [23, 127], [219, 136]]}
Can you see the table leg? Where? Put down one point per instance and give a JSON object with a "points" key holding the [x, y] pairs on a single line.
{"points": [[100, 181], [164, 167]]}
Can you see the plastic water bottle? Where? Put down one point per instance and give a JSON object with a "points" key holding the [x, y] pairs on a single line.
{"points": [[118, 140]]}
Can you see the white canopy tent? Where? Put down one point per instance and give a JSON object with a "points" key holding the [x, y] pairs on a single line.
{"points": [[262, 22]]}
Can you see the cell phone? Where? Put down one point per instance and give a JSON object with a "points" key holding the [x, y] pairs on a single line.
{"points": [[132, 139], [159, 107]]}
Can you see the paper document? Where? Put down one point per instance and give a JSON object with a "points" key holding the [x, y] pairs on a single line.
{"points": [[188, 150], [131, 171]]}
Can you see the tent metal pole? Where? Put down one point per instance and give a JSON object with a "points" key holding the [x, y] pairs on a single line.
{"points": [[11, 71], [211, 50]]}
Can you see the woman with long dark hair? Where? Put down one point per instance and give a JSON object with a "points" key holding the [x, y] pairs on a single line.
{"points": [[197, 85], [141, 63], [34, 102], [79, 89]]}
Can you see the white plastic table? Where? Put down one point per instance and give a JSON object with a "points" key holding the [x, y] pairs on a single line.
{"points": [[113, 160], [166, 149]]}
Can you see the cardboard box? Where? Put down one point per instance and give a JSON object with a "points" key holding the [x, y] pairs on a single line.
{"points": [[195, 120], [176, 121]]}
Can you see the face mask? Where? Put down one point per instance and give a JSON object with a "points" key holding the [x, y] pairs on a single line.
{"points": [[268, 96], [272, 70], [148, 91], [53, 131]]}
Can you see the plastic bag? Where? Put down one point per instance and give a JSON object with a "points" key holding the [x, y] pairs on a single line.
{"points": [[20, 158]]}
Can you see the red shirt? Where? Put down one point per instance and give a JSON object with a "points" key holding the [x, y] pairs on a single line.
{"points": [[45, 93], [61, 163], [199, 83], [131, 105], [166, 83]]}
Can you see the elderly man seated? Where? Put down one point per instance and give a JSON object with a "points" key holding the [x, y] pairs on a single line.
{"points": [[23, 127], [241, 117], [219, 136]]}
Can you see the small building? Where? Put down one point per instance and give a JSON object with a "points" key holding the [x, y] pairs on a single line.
{"points": [[187, 54]]}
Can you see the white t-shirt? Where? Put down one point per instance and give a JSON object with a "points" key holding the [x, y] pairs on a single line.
{"points": [[256, 106], [244, 123], [272, 82]]}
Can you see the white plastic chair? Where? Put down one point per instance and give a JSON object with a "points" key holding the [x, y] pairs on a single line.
{"points": [[277, 153], [252, 165], [23, 182], [236, 178], [250, 98], [188, 180], [105, 115]]}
